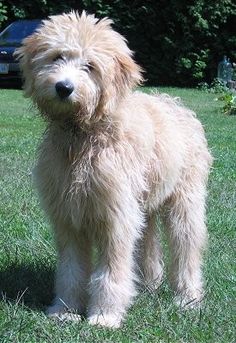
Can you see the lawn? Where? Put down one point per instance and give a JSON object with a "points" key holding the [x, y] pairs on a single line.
{"points": [[27, 253]]}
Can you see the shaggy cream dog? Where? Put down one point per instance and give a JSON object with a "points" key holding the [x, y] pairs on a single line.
{"points": [[110, 160]]}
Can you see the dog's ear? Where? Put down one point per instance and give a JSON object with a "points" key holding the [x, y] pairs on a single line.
{"points": [[128, 73], [124, 76], [24, 55]]}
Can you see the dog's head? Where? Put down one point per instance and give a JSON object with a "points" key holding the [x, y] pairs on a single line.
{"points": [[76, 65]]}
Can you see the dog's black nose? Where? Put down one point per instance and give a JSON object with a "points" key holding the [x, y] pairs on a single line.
{"points": [[64, 88]]}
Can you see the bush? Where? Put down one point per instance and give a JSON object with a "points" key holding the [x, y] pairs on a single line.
{"points": [[176, 42], [216, 86], [229, 99]]}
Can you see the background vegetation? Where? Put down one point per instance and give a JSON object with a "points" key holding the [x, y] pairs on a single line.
{"points": [[28, 257], [177, 42]]}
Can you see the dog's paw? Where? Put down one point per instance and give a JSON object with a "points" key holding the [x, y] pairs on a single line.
{"points": [[106, 320], [150, 285], [60, 313], [55, 310], [67, 317], [189, 301]]}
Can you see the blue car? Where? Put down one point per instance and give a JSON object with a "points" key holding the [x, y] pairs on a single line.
{"points": [[10, 39]]}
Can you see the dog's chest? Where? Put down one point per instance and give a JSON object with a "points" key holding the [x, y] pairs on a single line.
{"points": [[78, 181]]}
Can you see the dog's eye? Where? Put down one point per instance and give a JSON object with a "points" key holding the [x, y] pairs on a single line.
{"points": [[58, 58], [88, 67]]}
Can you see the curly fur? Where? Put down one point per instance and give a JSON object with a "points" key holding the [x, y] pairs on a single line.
{"points": [[110, 160]]}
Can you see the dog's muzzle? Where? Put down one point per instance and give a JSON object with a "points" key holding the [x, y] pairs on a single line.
{"points": [[64, 88]]}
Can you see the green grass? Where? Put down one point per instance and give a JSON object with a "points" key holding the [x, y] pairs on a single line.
{"points": [[27, 254]]}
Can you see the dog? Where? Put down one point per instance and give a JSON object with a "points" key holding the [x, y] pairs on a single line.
{"points": [[111, 159]]}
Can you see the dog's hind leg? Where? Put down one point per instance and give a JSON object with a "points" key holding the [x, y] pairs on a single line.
{"points": [[150, 263], [72, 275], [186, 230]]}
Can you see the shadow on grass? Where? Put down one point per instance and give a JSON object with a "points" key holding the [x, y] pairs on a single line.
{"points": [[29, 284]]}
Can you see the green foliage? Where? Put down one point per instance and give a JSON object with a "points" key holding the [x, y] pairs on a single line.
{"points": [[216, 86], [3, 13], [229, 99], [228, 96], [176, 42]]}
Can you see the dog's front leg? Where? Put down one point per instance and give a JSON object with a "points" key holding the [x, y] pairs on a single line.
{"points": [[112, 284], [72, 274]]}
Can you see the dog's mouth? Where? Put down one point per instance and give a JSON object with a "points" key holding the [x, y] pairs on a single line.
{"points": [[63, 109]]}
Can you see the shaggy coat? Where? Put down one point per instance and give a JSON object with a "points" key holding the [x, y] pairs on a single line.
{"points": [[110, 160]]}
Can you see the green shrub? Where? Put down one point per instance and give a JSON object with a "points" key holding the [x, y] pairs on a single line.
{"points": [[177, 42], [229, 99], [216, 86], [3, 13]]}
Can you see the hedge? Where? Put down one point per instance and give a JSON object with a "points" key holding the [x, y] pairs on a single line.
{"points": [[177, 42]]}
